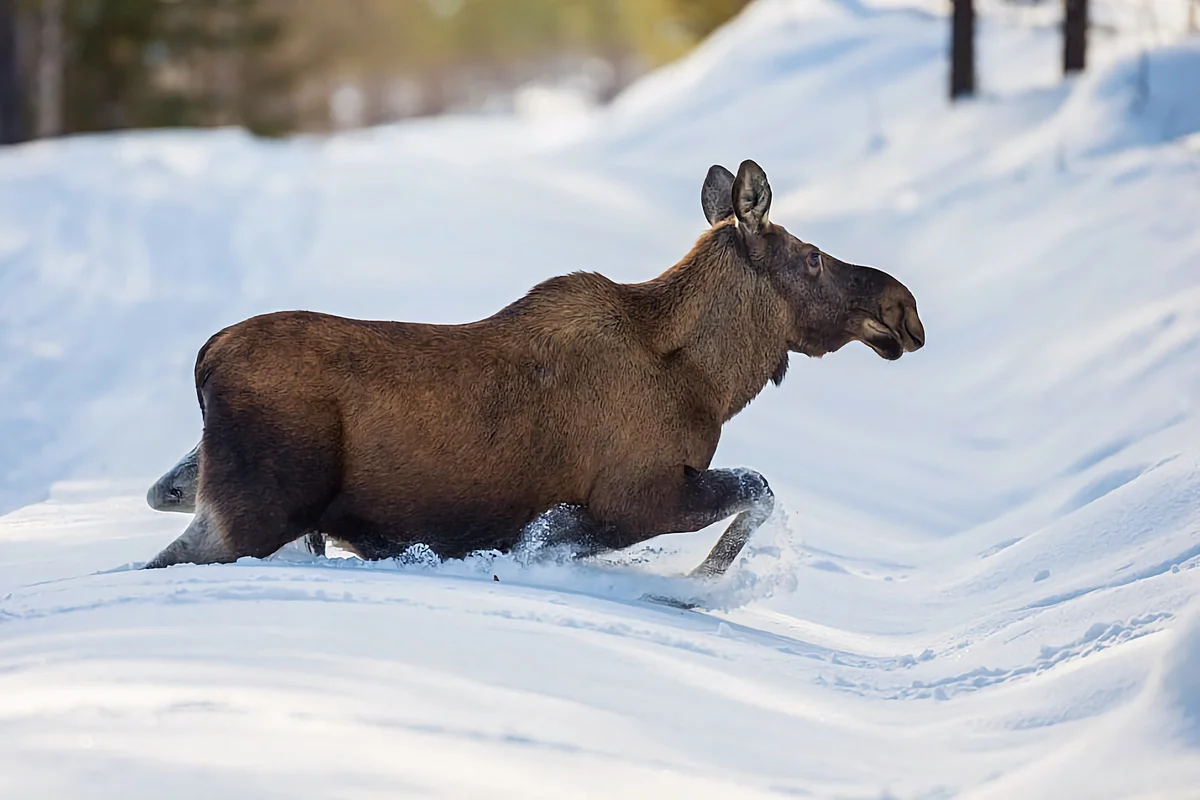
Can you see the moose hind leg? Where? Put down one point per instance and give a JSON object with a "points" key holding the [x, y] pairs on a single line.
{"points": [[176, 491], [266, 476], [200, 543]]}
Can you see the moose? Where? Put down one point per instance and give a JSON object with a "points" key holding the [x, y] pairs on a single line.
{"points": [[587, 410]]}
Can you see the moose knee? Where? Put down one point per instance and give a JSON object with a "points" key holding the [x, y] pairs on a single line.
{"points": [[176, 491], [166, 495], [715, 494], [755, 490]]}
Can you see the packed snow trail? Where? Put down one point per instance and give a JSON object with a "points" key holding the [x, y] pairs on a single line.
{"points": [[981, 581]]}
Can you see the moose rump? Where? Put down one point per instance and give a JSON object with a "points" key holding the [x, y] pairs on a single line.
{"points": [[590, 406]]}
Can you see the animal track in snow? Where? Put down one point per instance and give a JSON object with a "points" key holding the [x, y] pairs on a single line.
{"points": [[1099, 636]]}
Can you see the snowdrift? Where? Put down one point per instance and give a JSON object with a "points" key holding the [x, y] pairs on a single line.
{"points": [[977, 585]]}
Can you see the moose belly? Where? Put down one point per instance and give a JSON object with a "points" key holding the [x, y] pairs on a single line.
{"points": [[452, 530], [446, 476]]}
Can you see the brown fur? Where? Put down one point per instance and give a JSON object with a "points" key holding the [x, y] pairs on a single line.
{"points": [[605, 396]]}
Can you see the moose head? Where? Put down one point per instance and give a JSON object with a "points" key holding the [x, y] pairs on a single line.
{"points": [[831, 302]]}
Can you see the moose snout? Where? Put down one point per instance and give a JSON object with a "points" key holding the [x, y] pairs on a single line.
{"points": [[914, 331]]}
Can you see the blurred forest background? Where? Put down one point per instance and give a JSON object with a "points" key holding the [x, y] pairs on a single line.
{"points": [[282, 66]]}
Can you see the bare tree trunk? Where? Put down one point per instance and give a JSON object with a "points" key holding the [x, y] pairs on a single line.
{"points": [[10, 75], [962, 50], [1193, 20], [50, 70], [1075, 25]]}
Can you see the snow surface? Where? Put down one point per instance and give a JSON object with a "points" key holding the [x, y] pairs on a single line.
{"points": [[982, 581]]}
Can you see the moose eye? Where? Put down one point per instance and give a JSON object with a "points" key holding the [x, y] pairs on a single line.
{"points": [[814, 259]]}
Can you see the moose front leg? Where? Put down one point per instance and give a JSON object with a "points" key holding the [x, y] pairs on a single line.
{"points": [[694, 500], [711, 496], [702, 499], [566, 524]]}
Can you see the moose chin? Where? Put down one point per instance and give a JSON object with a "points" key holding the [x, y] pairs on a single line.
{"points": [[588, 408]]}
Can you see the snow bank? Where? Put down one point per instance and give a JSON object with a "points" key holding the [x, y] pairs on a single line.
{"points": [[1181, 679], [1141, 100], [1155, 739]]}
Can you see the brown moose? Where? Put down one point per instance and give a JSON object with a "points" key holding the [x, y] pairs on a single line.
{"points": [[587, 410]]}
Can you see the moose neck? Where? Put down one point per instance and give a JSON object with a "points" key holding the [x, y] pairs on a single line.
{"points": [[720, 320]]}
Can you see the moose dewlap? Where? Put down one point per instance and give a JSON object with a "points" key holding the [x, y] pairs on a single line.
{"points": [[589, 408]]}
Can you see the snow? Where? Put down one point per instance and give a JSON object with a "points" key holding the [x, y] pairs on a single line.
{"points": [[980, 583]]}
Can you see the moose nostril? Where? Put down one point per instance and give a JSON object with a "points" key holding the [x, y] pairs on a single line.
{"points": [[915, 332]]}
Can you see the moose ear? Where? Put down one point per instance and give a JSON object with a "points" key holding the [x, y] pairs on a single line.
{"points": [[716, 198], [751, 197]]}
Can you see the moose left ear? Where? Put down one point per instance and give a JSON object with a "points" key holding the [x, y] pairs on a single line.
{"points": [[751, 197], [716, 198]]}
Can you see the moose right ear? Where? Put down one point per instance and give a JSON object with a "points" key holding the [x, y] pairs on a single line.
{"points": [[751, 197], [716, 198]]}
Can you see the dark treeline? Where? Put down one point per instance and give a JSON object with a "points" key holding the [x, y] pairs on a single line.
{"points": [[279, 66]]}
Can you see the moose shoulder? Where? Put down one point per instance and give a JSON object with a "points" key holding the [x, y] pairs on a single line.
{"points": [[588, 408]]}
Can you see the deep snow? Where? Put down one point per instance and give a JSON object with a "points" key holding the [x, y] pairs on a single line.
{"points": [[979, 584]]}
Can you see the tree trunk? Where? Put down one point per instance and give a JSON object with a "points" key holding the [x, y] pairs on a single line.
{"points": [[1075, 25], [10, 77], [50, 70], [962, 50]]}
